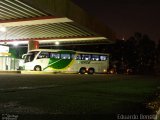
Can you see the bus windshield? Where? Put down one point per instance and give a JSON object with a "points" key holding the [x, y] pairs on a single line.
{"points": [[30, 56]]}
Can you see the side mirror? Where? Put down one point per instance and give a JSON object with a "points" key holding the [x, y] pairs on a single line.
{"points": [[23, 56]]}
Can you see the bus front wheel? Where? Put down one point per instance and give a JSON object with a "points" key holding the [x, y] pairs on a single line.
{"points": [[37, 68], [91, 70], [82, 70]]}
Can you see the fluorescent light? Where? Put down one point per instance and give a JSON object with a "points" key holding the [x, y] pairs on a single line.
{"points": [[57, 43], [36, 22], [3, 29], [15, 43]]}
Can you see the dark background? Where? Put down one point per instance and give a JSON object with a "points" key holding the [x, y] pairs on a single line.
{"points": [[126, 17]]}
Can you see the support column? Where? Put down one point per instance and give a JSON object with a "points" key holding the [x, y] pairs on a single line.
{"points": [[33, 45]]}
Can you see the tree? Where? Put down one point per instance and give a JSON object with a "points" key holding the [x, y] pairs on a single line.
{"points": [[136, 53], [146, 54], [157, 63]]}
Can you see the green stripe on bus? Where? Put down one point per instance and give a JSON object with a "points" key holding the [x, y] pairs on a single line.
{"points": [[60, 64]]}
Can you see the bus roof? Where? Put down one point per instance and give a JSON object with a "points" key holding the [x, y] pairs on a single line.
{"points": [[58, 50]]}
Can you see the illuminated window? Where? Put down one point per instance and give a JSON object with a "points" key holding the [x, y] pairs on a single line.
{"points": [[55, 55], [65, 56], [72, 56], [86, 57], [103, 57], [95, 57], [78, 57], [43, 55]]}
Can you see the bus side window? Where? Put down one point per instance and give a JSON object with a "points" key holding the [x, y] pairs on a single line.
{"points": [[78, 57], [43, 55], [72, 56], [86, 57], [103, 57], [65, 56], [95, 58], [54, 55]]}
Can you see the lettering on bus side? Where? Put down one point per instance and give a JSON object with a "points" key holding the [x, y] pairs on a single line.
{"points": [[85, 62]]}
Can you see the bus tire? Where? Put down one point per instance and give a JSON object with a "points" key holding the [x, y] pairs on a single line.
{"points": [[37, 68], [82, 70], [91, 70]]}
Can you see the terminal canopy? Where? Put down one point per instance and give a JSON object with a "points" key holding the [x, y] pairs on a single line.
{"points": [[47, 21]]}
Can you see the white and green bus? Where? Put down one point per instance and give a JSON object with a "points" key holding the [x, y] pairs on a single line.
{"points": [[66, 61]]}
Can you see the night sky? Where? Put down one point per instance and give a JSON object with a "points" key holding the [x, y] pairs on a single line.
{"points": [[126, 17]]}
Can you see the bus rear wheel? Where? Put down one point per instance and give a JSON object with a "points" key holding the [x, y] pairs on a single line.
{"points": [[91, 70], [37, 68], [82, 70]]}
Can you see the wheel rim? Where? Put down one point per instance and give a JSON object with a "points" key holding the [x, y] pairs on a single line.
{"points": [[91, 71], [82, 71], [38, 69]]}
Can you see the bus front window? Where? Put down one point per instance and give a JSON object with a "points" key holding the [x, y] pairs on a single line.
{"points": [[30, 56]]}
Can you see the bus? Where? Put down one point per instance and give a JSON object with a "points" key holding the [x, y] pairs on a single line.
{"points": [[67, 61]]}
